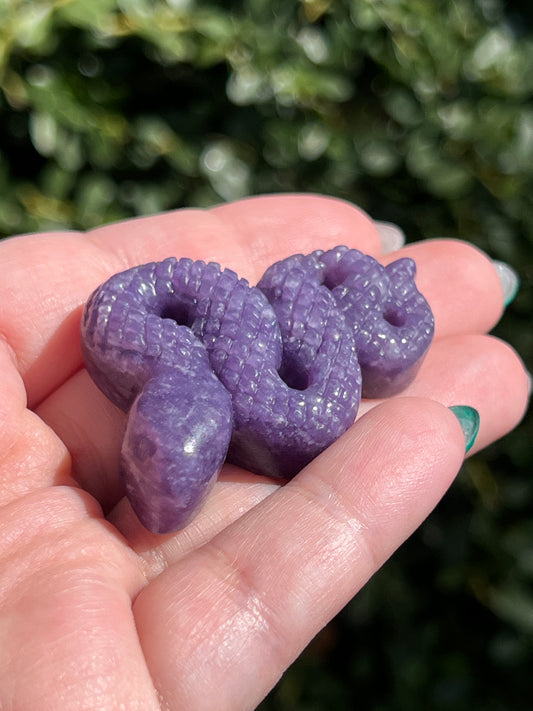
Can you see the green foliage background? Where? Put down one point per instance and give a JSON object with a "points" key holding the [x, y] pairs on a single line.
{"points": [[418, 110]]}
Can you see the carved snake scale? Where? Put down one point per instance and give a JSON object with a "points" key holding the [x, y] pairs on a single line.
{"points": [[211, 369]]}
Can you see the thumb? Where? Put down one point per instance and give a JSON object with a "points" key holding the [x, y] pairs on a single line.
{"points": [[261, 589]]}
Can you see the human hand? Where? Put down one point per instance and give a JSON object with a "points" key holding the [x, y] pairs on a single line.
{"points": [[95, 612]]}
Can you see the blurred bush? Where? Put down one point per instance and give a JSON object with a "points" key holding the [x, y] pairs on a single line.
{"points": [[418, 111]]}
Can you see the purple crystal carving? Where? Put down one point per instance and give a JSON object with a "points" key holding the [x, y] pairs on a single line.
{"points": [[210, 368], [389, 318]]}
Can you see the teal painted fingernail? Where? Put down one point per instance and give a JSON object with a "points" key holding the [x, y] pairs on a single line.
{"points": [[469, 420], [509, 279]]}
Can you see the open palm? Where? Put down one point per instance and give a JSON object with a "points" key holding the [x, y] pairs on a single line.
{"points": [[97, 613]]}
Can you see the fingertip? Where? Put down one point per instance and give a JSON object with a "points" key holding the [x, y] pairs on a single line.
{"points": [[503, 404], [509, 281], [392, 236], [392, 466], [416, 426], [469, 420]]}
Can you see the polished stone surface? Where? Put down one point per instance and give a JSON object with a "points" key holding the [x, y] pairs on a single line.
{"points": [[213, 369]]}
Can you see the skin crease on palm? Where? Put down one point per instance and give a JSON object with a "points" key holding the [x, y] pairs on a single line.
{"points": [[95, 612]]}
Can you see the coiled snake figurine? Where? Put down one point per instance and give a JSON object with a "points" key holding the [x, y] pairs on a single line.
{"points": [[211, 369]]}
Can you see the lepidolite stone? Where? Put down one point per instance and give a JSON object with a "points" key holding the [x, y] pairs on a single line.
{"points": [[391, 321], [210, 368]]}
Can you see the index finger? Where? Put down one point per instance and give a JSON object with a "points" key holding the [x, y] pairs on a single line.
{"points": [[47, 278]]}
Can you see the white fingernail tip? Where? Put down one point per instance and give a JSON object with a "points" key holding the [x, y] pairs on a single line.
{"points": [[509, 280], [392, 237]]}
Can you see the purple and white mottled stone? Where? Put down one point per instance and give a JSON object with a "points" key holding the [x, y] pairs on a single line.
{"points": [[211, 369], [390, 319]]}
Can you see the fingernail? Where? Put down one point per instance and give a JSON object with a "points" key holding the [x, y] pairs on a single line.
{"points": [[509, 280], [392, 237], [469, 420]]}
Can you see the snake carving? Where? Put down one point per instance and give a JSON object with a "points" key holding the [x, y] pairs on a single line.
{"points": [[212, 369]]}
